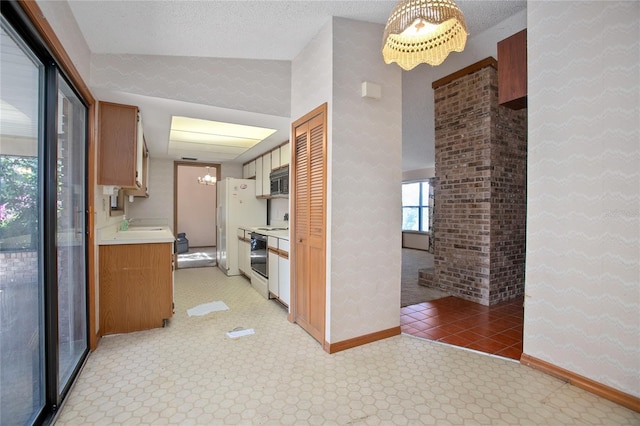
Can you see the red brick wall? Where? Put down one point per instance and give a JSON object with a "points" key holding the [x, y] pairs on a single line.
{"points": [[18, 268], [480, 201]]}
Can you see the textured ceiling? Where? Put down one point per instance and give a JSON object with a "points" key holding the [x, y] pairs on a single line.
{"points": [[259, 29], [252, 29]]}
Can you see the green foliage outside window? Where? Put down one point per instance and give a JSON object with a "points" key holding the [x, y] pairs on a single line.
{"points": [[18, 202]]}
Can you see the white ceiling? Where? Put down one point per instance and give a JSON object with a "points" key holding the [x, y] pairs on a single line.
{"points": [[250, 29]]}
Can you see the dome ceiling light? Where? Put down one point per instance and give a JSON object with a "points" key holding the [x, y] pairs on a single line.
{"points": [[423, 31]]}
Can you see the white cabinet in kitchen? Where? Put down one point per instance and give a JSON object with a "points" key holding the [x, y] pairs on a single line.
{"points": [[259, 188], [273, 266], [252, 169], [244, 252], [266, 172], [275, 158], [285, 154], [143, 191], [245, 171], [284, 289]]}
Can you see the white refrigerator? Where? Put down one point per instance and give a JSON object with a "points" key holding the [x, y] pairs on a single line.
{"points": [[237, 206]]}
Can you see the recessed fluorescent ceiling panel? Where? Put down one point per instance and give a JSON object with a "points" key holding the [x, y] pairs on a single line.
{"points": [[224, 141]]}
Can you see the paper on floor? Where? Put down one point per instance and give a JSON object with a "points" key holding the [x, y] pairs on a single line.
{"points": [[207, 308], [239, 333]]}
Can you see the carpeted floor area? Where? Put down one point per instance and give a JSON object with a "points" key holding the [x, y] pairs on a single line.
{"points": [[411, 292]]}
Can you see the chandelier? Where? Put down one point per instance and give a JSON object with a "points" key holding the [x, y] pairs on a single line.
{"points": [[423, 31], [207, 179]]}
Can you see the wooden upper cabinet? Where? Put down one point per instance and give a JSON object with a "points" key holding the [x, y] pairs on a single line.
{"points": [[512, 71], [118, 145]]}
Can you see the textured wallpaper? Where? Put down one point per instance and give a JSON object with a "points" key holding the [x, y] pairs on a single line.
{"points": [[311, 74], [61, 19], [583, 232], [260, 86], [364, 174], [159, 205], [311, 87], [365, 155]]}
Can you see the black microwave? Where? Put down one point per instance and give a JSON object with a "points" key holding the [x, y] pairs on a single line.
{"points": [[280, 182]]}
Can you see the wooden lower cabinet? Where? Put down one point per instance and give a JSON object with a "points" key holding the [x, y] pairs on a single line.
{"points": [[136, 286]]}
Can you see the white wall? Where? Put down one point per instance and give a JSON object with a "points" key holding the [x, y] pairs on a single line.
{"points": [[583, 221], [418, 174], [60, 17], [311, 76], [311, 86], [159, 205], [278, 207], [366, 161], [196, 206], [414, 240], [260, 86]]}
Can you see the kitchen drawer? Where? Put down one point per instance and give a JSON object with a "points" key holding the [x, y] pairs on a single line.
{"points": [[273, 242], [283, 245]]}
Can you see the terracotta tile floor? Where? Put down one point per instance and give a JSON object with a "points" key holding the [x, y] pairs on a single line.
{"points": [[496, 330]]}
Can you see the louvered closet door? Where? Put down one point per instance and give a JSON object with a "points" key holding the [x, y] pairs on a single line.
{"points": [[309, 222]]}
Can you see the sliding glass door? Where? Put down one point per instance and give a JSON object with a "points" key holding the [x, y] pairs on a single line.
{"points": [[43, 300], [22, 391], [70, 235]]}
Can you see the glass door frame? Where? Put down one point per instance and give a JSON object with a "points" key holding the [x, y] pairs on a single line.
{"points": [[21, 16]]}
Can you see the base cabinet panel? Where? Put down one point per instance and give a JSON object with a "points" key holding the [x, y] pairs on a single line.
{"points": [[283, 280], [244, 256], [136, 287], [273, 275]]}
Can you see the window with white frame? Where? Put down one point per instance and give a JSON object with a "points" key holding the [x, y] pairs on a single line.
{"points": [[415, 206]]}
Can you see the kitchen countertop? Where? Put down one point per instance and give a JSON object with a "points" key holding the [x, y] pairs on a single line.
{"points": [[136, 235], [279, 233]]}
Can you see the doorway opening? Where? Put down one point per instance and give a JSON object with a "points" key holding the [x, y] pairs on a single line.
{"points": [[194, 208]]}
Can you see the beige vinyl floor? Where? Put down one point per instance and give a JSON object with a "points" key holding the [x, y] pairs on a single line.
{"points": [[191, 373]]}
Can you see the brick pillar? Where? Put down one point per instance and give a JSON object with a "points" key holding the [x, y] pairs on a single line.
{"points": [[480, 199]]}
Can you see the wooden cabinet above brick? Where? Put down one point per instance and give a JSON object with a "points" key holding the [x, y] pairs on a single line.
{"points": [[512, 71], [118, 145]]}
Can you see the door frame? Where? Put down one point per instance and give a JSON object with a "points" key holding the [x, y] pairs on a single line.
{"points": [[199, 164], [294, 255]]}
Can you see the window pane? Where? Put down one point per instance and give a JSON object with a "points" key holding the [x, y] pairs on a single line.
{"points": [[72, 310], [22, 382], [411, 194], [410, 219], [425, 193], [424, 225]]}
